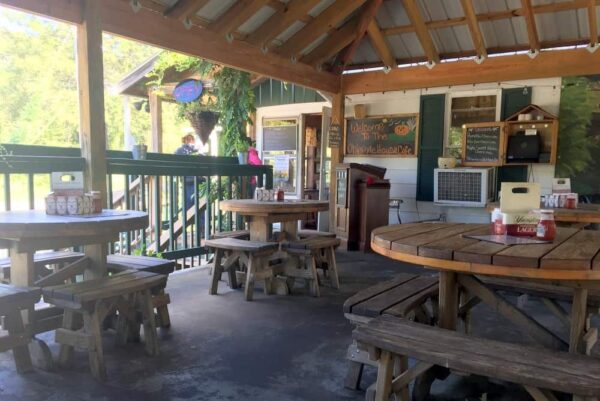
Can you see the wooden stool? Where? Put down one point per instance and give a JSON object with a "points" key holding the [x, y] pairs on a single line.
{"points": [[12, 301], [309, 250], [253, 254], [239, 234], [124, 292], [160, 298], [302, 234]]}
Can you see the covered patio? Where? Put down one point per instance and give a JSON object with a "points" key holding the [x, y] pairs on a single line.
{"points": [[401, 292]]}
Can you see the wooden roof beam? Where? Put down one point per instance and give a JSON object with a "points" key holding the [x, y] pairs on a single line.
{"points": [[278, 22], [412, 9], [368, 14], [534, 41], [183, 9], [321, 24], [381, 45], [334, 43], [236, 15], [496, 69], [476, 35], [593, 22]]}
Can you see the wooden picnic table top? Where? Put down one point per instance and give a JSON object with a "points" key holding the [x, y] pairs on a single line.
{"points": [[585, 213], [574, 254], [253, 207], [38, 224]]}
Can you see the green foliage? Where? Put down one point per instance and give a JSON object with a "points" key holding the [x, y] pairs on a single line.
{"points": [[575, 146], [232, 96]]}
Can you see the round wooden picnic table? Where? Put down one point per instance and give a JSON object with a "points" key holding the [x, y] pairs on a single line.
{"points": [[24, 232], [262, 214], [571, 261]]}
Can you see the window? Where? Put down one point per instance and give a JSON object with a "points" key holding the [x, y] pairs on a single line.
{"points": [[466, 110]]}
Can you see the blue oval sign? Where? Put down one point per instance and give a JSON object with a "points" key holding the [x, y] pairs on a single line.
{"points": [[188, 91]]}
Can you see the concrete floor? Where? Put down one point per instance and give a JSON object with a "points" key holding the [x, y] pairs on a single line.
{"points": [[283, 348]]}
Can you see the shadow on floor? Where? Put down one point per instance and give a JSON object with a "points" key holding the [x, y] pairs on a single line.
{"points": [[280, 348]]}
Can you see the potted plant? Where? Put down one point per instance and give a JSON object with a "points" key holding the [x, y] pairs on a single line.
{"points": [[241, 147], [139, 150]]}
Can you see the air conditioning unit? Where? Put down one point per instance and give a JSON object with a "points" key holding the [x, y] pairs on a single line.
{"points": [[472, 187]]}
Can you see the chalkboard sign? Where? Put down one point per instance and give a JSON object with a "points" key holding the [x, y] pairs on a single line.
{"points": [[382, 136], [482, 144], [280, 138], [335, 136]]}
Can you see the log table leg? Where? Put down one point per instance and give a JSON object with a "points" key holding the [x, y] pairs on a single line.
{"points": [[448, 300], [578, 317], [97, 254], [259, 229]]}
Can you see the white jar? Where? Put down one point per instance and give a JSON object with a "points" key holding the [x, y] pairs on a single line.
{"points": [[51, 204], [61, 205]]}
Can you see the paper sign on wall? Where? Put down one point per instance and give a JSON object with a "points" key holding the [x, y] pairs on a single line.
{"points": [[281, 166]]}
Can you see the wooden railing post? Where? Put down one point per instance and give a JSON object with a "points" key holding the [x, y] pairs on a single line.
{"points": [[337, 154]]}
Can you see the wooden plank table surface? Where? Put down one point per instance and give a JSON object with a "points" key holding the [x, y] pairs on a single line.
{"points": [[261, 215], [571, 260]]}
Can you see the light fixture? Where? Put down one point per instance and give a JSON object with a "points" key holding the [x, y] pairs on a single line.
{"points": [[430, 64], [592, 47], [525, 91], [187, 23], [229, 37], [479, 59], [387, 69], [135, 5]]}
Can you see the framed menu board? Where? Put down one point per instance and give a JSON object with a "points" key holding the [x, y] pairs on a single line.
{"points": [[394, 135], [483, 144]]}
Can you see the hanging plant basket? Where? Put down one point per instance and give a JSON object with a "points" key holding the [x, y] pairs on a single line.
{"points": [[203, 123]]}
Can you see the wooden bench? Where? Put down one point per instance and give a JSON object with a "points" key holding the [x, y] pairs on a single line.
{"points": [[160, 298], [253, 254], [302, 234], [540, 371], [309, 250], [403, 296], [238, 234], [125, 292], [42, 260], [12, 301]]}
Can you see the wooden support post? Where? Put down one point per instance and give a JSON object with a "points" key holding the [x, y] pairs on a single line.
{"points": [[337, 154], [448, 300], [90, 78], [156, 121]]}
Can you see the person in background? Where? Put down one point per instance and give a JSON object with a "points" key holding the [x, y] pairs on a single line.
{"points": [[253, 160], [188, 147]]}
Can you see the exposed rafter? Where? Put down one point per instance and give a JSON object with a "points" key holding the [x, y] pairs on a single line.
{"points": [[325, 21], [367, 15], [495, 69], [183, 9], [414, 14], [534, 41], [593, 22], [236, 15], [381, 45], [151, 27], [334, 43], [476, 35], [279, 21]]}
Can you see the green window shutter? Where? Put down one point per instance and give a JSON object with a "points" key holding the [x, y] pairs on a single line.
{"points": [[513, 100], [431, 143]]}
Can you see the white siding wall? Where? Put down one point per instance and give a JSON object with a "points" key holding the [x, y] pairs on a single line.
{"points": [[402, 172]]}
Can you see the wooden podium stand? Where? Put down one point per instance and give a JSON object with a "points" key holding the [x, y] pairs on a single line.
{"points": [[353, 216]]}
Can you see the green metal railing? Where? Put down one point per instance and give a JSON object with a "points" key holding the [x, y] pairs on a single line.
{"points": [[156, 185]]}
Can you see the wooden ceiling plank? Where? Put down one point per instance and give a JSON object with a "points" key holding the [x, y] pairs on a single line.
{"points": [[336, 42], [412, 9], [184, 9], [496, 69], [473, 23], [281, 20], [236, 15], [367, 15], [381, 45], [534, 41], [322, 23], [593, 22]]}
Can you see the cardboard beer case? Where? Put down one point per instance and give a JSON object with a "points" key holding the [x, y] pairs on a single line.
{"points": [[518, 200]]}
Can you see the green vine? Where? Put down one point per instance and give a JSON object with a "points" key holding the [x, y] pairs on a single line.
{"points": [[231, 96]]}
